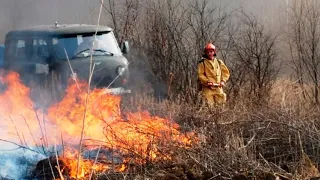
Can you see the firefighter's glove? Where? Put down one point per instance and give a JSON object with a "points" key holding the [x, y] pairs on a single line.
{"points": [[222, 84], [209, 84]]}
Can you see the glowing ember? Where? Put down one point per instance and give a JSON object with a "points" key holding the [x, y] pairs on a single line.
{"points": [[139, 138]]}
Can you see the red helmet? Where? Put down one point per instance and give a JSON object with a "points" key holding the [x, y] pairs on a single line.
{"points": [[210, 46]]}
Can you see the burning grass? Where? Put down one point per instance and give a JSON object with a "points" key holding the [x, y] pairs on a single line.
{"points": [[257, 142], [95, 122], [136, 137]]}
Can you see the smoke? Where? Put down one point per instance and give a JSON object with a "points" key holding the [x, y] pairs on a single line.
{"points": [[24, 13], [15, 164], [21, 13], [22, 140], [142, 79]]}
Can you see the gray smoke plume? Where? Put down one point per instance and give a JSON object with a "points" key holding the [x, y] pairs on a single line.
{"points": [[15, 164]]}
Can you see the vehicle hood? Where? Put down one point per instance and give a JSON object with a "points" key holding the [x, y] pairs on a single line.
{"points": [[103, 66]]}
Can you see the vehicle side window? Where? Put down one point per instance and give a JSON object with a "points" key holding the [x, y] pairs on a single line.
{"points": [[20, 49], [58, 48], [64, 47], [40, 49]]}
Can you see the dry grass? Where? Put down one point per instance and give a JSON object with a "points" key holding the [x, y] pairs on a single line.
{"points": [[277, 140], [280, 139]]}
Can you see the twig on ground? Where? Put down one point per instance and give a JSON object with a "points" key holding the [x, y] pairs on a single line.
{"points": [[95, 161], [35, 142], [56, 155], [44, 137], [62, 143], [20, 146], [73, 73], [52, 172], [45, 130], [249, 142], [15, 127]]}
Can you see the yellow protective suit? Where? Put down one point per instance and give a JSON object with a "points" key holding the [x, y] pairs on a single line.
{"points": [[213, 71]]}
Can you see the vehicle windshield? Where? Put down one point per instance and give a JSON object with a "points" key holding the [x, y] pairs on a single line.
{"points": [[82, 45]]}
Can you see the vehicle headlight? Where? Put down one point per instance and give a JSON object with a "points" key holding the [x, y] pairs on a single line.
{"points": [[120, 70]]}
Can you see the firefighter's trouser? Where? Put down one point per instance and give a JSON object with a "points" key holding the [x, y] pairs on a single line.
{"points": [[214, 97]]}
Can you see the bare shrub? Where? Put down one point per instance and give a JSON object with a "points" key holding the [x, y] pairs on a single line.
{"points": [[303, 39], [243, 140], [253, 59]]}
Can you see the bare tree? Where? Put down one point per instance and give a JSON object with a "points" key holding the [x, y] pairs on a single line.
{"points": [[176, 33], [208, 22], [123, 16], [166, 28], [254, 59], [303, 39], [172, 34]]}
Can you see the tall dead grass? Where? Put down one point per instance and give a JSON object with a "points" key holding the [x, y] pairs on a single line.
{"points": [[279, 139]]}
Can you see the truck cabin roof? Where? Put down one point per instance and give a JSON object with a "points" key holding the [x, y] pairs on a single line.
{"points": [[57, 30]]}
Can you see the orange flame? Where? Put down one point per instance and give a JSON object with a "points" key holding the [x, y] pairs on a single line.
{"points": [[140, 133], [18, 116], [139, 137]]}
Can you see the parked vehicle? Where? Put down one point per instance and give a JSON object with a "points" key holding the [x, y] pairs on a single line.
{"points": [[41, 52]]}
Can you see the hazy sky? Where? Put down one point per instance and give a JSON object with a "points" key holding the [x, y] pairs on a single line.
{"points": [[20, 13]]}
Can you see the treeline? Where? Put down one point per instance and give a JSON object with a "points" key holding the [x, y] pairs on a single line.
{"points": [[169, 37]]}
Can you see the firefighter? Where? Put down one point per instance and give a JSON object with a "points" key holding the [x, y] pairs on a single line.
{"points": [[212, 74]]}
